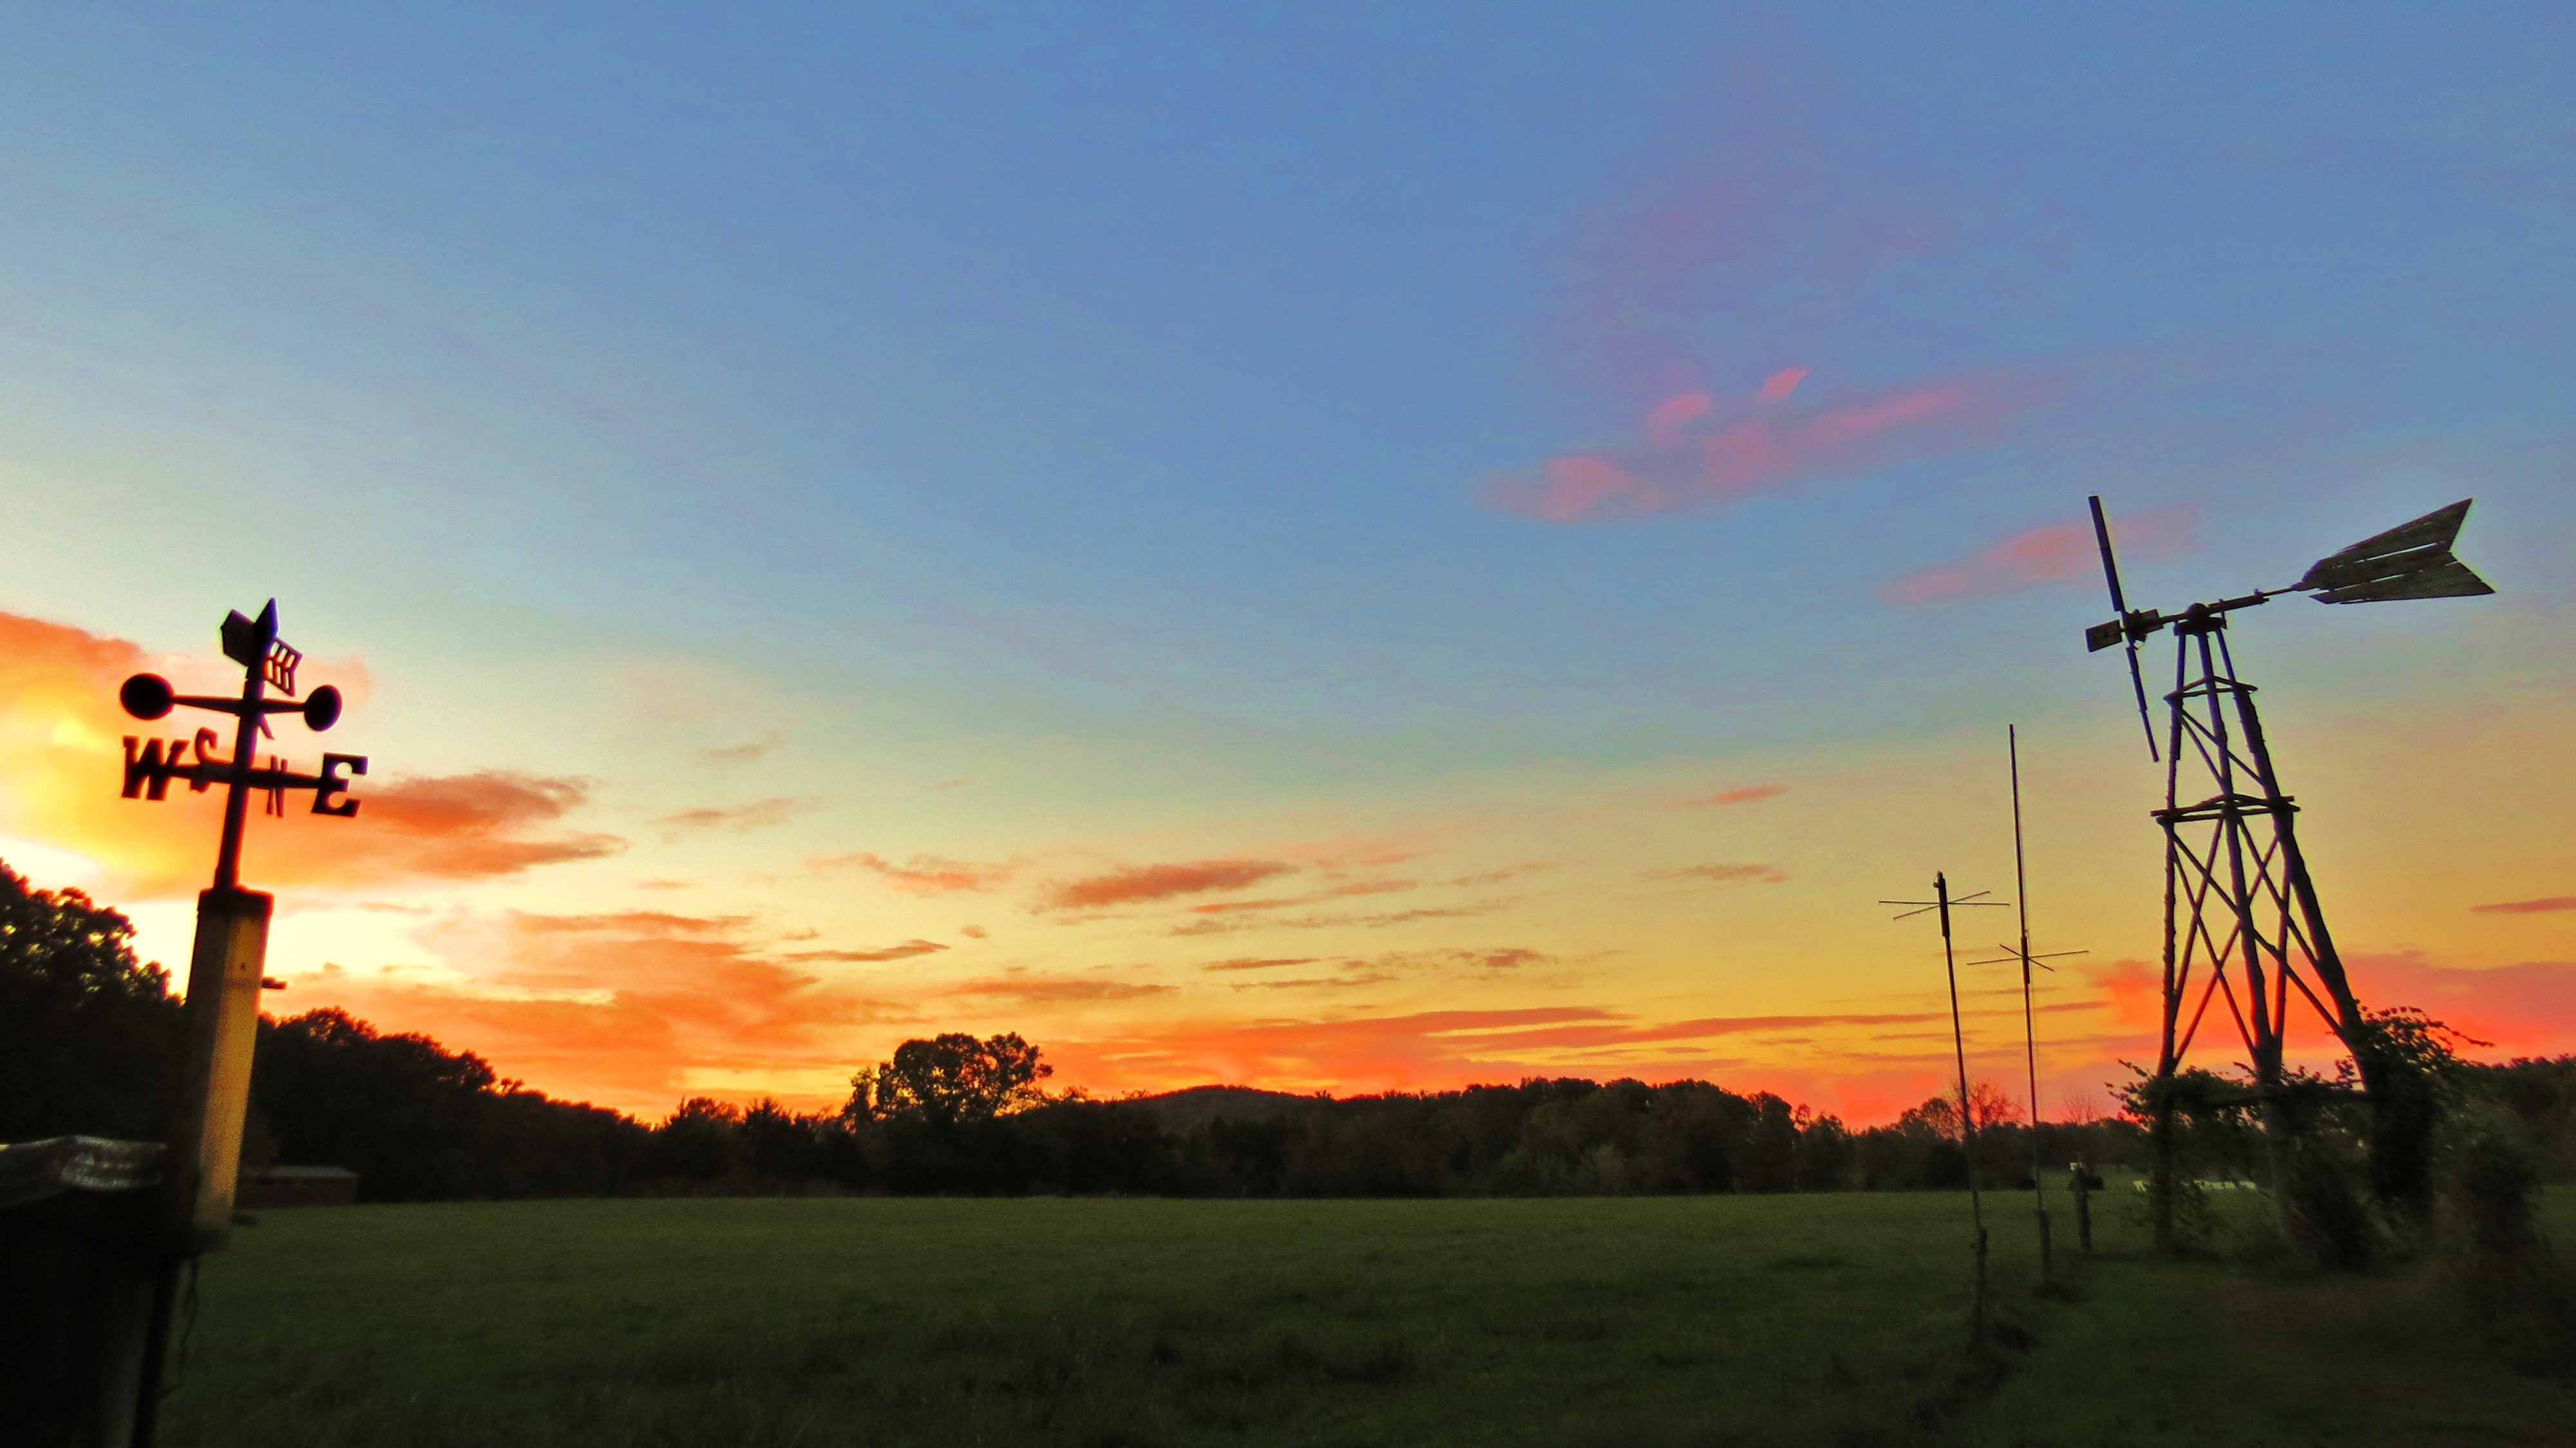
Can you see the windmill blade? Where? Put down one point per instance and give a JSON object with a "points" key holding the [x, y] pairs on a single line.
{"points": [[2120, 630], [2412, 560]]}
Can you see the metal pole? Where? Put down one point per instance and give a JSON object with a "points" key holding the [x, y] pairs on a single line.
{"points": [[1967, 1117], [2161, 1185], [2029, 1018]]}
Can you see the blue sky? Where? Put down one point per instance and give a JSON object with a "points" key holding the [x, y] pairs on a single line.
{"points": [[1115, 400]]}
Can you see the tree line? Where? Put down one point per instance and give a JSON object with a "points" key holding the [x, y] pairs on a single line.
{"points": [[89, 1037]]}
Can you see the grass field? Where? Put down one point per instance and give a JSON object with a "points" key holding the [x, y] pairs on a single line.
{"points": [[1810, 1319]]}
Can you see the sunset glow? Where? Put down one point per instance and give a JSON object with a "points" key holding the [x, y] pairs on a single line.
{"points": [[1322, 585]]}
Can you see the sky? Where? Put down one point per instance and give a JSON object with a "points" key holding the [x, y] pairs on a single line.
{"points": [[1326, 547]]}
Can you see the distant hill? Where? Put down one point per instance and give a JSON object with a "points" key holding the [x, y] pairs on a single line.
{"points": [[1182, 1112]]}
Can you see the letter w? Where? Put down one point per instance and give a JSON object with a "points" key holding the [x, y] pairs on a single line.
{"points": [[148, 773]]}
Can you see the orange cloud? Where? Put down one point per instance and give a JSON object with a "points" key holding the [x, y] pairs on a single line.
{"points": [[2046, 554], [61, 760], [630, 1009], [1440, 1050], [1689, 455], [2521, 1010], [1138, 884], [922, 874], [2134, 990], [2550, 905]]}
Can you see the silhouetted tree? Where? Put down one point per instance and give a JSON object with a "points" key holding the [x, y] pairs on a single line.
{"points": [[950, 1080], [89, 1036]]}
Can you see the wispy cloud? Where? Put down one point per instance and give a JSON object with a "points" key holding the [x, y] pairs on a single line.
{"points": [[746, 752], [2545, 906], [1226, 925], [1020, 984], [1723, 874], [904, 951], [2046, 554], [735, 818], [1285, 902], [1260, 963], [1142, 884], [922, 874]]}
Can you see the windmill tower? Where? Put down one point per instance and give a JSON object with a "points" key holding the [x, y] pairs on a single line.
{"points": [[2243, 926]]}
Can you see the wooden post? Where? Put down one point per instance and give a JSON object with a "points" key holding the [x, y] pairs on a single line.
{"points": [[204, 1165]]}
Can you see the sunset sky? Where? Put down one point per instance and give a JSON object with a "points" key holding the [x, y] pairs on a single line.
{"points": [[1325, 547]]}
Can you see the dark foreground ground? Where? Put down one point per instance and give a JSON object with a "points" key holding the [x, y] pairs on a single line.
{"points": [[1794, 1320]]}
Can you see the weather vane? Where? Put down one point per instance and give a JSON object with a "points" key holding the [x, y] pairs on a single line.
{"points": [[2238, 896], [201, 1165], [267, 663]]}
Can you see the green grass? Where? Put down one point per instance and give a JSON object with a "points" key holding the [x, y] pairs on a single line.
{"points": [[1831, 1320], [2211, 1353]]}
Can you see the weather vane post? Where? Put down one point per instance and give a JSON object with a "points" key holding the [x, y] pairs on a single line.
{"points": [[225, 968], [202, 1164]]}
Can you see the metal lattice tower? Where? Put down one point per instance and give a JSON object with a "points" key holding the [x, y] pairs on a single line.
{"points": [[2243, 926], [2242, 922]]}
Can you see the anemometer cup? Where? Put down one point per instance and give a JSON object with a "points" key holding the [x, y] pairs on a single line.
{"points": [[147, 696]]}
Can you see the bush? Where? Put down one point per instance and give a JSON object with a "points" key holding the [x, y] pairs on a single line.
{"points": [[2517, 1290]]}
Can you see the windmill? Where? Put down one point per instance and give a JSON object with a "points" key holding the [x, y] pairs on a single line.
{"points": [[2242, 921]]}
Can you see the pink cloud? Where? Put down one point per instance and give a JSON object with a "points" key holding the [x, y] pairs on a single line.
{"points": [[2046, 554], [1691, 457], [1746, 795], [1664, 423], [1778, 386]]}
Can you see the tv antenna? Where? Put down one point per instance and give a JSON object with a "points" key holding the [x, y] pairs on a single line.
{"points": [[2029, 1019], [1941, 900], [2242, 922]]}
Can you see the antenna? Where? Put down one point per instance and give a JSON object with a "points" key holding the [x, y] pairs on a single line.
{"points": [[2242, 918], [1942, 902], [2029, 1017], [2123, 629]]}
